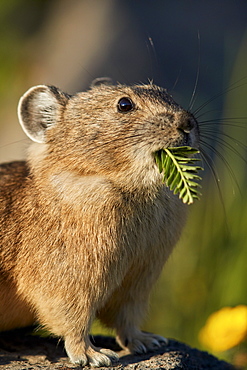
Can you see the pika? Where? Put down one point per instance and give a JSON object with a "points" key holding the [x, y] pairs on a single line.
{"points": [[86, 223]]}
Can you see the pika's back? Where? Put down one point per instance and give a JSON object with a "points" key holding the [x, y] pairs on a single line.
{"points": [[12, 178]]}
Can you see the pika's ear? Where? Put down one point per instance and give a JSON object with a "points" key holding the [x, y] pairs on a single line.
{"points": [[101, 81], [38, 110]]}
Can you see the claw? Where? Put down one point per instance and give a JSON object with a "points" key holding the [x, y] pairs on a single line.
{"points": [[156, 343], [142, 342], [99, 360], [96, 357], [111, 354], [140, 348]]}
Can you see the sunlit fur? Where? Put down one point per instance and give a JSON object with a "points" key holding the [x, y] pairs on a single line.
{"points": [[86, 223]]}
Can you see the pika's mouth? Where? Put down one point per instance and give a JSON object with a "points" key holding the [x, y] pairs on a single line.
{"points": [[179, 171]]}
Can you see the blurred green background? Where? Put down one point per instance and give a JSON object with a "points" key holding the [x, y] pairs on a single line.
{"points": [[69, 43]]}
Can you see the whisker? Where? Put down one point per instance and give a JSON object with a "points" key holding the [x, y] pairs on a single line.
{"points": [[125, 140], [148, 44], [176, 81], [206, 113], [223, 143], [210, 164], [193, 97], [211, 130], [225, 121], [14, 142], [224, 161], [232, 87]]}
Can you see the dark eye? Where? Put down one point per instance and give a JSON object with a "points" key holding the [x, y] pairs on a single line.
{"points": [[125, 105]]}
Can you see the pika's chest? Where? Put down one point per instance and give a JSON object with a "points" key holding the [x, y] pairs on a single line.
{"points": [[155, 225], [98, 213]]}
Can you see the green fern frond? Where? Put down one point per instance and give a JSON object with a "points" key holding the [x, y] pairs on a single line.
{"points": [[180, 172]]}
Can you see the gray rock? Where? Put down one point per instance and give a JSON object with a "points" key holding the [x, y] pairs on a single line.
{"points": [[20, 350]]}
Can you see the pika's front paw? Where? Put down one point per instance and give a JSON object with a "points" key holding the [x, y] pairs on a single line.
{"points": [[82, 354], [142, 342]]}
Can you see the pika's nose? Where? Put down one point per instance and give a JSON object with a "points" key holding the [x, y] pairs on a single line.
{"points": [[186, 125]]}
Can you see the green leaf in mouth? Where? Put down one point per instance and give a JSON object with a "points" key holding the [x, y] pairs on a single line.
{"points": [[179, 171]]}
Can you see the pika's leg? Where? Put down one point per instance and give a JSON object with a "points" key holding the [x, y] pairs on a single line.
{"points": [[131, 337], [68, 309], [71, 321], [142, 342], [126, 308], [81, 351]]}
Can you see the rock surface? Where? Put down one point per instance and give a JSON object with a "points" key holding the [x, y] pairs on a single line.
{"points": [[19, 350]]}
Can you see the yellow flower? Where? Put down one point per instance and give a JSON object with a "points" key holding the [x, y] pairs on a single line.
{"points": [[225, 328]]}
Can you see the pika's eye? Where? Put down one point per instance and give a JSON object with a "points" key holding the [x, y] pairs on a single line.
{"points": [[125, 105]]}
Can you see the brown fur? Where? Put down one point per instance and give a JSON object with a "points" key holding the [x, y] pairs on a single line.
{"points": [[86, 224]]}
